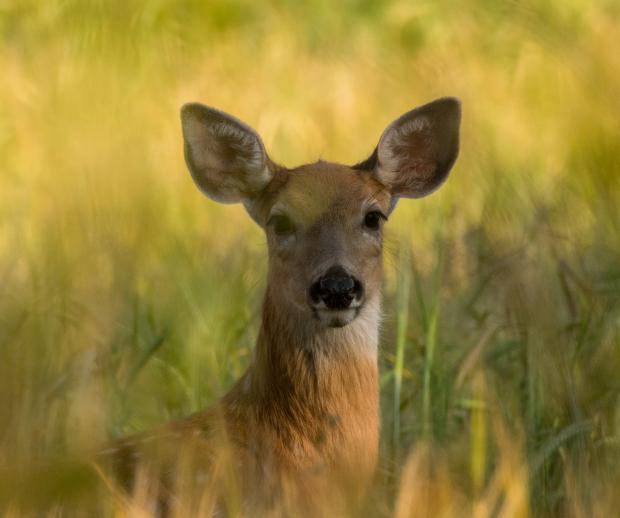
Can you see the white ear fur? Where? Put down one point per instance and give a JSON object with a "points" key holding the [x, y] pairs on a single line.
{"points": [[226, 157]]}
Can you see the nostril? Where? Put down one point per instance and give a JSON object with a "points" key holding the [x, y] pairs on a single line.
{"points": [[358, 289], [315, 292]]}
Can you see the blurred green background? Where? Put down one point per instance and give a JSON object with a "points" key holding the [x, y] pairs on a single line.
{"points": [[127, 298]]}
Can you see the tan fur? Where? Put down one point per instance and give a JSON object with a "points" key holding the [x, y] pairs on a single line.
{"points": [[301, 428], [298, 434], [305, 416]]}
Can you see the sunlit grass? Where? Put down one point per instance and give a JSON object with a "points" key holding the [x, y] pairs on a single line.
{"points": [[126, 298]]}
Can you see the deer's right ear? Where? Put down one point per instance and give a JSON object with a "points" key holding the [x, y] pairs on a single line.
{"points": [[226, 157]]}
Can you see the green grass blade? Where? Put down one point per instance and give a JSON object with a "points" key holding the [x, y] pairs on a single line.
{"points": [[402, 314]]}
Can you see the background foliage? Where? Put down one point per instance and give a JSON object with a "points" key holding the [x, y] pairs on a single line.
{"points": [[127, 299]]}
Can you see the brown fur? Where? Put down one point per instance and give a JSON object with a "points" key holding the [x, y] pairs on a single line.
{"points": [[301, 427], [299, 432]]}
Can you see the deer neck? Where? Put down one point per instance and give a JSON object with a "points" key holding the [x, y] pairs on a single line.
{"points": [[314, 375]]}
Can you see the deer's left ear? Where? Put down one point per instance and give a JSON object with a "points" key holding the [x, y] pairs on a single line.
{"points": [[417, 150]]}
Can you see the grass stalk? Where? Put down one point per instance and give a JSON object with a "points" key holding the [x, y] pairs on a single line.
{"points": [[402, 315]]}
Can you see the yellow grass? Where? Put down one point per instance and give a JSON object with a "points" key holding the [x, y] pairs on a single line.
{"points": [[126, 298]]}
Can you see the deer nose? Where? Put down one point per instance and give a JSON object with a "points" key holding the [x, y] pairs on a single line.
{"points": [[336, 288]]}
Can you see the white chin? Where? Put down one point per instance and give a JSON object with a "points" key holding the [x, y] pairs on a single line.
{"points": [[336, 317]]}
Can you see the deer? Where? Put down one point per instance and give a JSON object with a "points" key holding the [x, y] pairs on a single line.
{"points": [[299, 432]]}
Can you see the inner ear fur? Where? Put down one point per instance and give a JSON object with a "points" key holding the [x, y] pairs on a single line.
{"points": [[226, 158], [417, 150]]}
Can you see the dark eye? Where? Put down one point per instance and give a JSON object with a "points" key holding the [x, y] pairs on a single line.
{"points": [[282, 225], [372, 220]]}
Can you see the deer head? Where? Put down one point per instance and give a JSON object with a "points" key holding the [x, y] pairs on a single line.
{"points": [[323, 221]]}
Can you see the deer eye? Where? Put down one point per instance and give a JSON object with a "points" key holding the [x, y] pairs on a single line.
{"points": [[372, 220], [281, 224]]}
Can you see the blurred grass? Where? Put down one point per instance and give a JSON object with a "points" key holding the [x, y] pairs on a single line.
{"points": [[127, 299]]}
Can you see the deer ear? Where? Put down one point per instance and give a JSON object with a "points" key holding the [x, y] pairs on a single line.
{"points": [[417, 150], [226, 157]]}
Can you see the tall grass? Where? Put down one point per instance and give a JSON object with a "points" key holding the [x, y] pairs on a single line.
{"points": [[127, 299]]}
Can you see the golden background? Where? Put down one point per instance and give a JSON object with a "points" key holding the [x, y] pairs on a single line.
{"points": [[128, 299]]}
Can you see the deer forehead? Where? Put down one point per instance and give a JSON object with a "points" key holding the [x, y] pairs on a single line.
{"points": [[323, 189]]}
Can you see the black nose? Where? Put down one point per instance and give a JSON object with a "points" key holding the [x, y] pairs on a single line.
{"points": [[337, 289]]}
